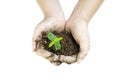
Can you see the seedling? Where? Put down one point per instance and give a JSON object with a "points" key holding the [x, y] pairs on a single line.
{"points": [[54, 41]]}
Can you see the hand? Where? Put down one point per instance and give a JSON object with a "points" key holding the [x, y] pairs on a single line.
{"points": [[79, 30], [50, 24]]}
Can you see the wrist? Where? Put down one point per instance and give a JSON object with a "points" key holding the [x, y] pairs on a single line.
{"points": [[56, 18], [54, 14], [78, 18], [50, 8], [56, 21], [75, 21]]}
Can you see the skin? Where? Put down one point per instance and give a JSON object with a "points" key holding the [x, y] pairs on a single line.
{"points": [[77, 24]]}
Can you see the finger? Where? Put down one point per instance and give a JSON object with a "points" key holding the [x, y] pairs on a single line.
{"points": [[81, 35], [68, 59], [84, 47], [56, 63], [33, 46], [81, 56], [54, 59], [36, 36], [35, 43], [43, 53]]}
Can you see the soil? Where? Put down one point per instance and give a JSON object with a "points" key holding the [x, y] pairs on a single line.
{"points": [[68, 44]]}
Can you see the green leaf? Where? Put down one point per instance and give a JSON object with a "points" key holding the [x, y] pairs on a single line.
{"points": [[51, 43], [54, 41], [51, 36], [57, 46], [59, 39], [57, 43]]}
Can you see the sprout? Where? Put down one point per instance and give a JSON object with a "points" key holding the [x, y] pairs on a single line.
{"points": [[54, 41]]}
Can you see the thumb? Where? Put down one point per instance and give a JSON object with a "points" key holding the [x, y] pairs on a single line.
{"points": [[81, 35], [84, 43]]}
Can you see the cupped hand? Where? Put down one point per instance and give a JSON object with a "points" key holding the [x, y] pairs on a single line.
{"points": [[79, 30], [50, 24]]}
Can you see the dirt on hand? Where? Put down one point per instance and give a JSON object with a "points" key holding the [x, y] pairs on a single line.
{"points": [[69, 46]]}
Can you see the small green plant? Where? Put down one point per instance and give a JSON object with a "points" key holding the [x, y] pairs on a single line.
{"points": [[54, 41]]}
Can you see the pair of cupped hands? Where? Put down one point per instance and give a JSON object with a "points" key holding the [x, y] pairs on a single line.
{"points": [[79, 30]]}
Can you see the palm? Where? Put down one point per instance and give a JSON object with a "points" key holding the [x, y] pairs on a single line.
{"points": [[49, 24], [80, 33]]}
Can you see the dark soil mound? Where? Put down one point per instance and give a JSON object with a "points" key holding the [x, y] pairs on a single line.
{"points": [[68, 45]]}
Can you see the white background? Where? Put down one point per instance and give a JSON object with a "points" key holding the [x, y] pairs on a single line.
{"points": [[18, 19]]}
